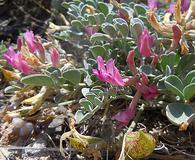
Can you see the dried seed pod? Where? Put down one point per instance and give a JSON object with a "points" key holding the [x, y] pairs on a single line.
{"points": [[139, 144]]}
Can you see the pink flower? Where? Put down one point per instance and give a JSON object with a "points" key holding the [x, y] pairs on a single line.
{"points": [[55, 57], [34, 43], [90, 30], [19, 43], [131, 62], [108, 73], [177, 34], [30, 40], [123, 118], [40, 48], [171, 8], [144, 78], [153, 4], [145, 43], [10, 55], [17, 61], [185, 4], [149, 92]]}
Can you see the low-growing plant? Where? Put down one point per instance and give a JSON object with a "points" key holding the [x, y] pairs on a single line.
{"points": [[125, 60]]}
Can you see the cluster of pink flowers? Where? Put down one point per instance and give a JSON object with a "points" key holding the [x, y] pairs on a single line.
{"points": [[34, 51], [110, 74], [155, 4], [17, 61]]}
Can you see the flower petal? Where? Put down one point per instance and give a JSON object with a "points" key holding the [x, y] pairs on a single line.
{"points": [[30, 38], [55, 57]]}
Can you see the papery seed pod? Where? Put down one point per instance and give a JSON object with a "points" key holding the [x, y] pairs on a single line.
{"points": [[139, 144]]}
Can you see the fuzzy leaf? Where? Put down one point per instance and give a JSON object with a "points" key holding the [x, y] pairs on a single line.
{"points": [[103, 7], [97, 37], [140, 10], [109, 29], [98, 51], [87, 105], [72, 75], [122, 26], [100, 18], [189, 91], [136, 27], [186, 64], [168, 59], [175, 85], [189, 77], [38, 80], [76, 23]]}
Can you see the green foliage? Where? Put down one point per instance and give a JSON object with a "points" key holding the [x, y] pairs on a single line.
{"points": [[73, 76], [38, 80], [93, 101], [177, 113], [175, 85]]}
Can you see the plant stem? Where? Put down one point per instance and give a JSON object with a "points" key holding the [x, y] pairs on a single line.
{"points": [[136, 119]]}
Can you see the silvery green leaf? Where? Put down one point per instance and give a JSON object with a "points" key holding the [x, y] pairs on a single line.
{"points": [[86, 104], [177, 113], [110, 17], [98, 37], [175, 85], [103, 7], [98, 50], [38, 80], [84, 91], [100, 18], [76, 23], [109, 29], [91, 19], [122, 26], [140, 9], [136, 27], [73, 76]]}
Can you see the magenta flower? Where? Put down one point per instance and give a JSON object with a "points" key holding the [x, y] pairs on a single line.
{"points": [[131, 62], [19, 43], [171, 8], [149, 92], [30, 40], [185, 4], [40, 48], [55, 58], [34, 43], [90, 30], [10, 56], [17, 61], [145, 43], [108, 73], [153, 4], [123, 118]]}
